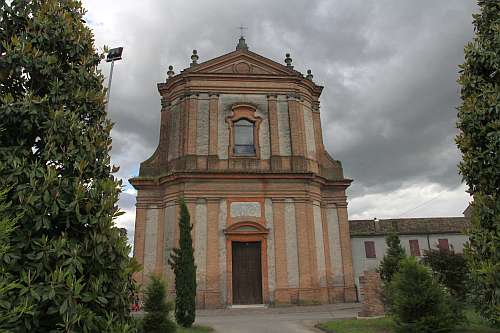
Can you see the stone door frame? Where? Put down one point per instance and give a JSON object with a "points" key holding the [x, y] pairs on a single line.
{"points": [[246, 231]]}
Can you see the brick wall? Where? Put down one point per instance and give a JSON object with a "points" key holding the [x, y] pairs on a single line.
{"points": [[371, 288]]}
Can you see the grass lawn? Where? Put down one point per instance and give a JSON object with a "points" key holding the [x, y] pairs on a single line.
{"points": [[385, 325], [195, 329]]}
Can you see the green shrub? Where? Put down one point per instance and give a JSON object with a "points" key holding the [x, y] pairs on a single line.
{"points": [[418, 303], [391, 261], [157, 308], [450, 269]]}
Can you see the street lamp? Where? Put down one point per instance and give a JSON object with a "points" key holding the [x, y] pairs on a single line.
{"points": [[113, 55]]}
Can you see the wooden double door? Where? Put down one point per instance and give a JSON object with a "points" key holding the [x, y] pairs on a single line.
{"points": [[247, 273]]}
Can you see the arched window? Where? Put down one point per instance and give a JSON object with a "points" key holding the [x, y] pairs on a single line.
{"points": [[244, 138]]}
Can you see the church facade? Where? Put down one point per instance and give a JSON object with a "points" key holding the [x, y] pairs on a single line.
{"points": [[241, 142]]}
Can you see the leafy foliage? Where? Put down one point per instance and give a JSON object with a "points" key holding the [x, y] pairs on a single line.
{"points": [[182, 262], [391, 261], [419, 303], [9, 314], [450, 269], [157, 308], [479, 142], [70, 260]]}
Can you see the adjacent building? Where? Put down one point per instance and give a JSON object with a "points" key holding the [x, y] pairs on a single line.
{"points": [[417, 235]]}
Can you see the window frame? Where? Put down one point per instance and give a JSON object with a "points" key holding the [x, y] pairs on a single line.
{"points": [[441, 242], [247, 112], [370, 251], [415, 248]]}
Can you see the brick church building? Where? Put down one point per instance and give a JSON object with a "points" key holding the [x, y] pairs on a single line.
{"points": [[241, 141]]}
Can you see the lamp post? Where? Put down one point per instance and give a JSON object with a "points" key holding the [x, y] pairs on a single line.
{"points": [[113, 55]]}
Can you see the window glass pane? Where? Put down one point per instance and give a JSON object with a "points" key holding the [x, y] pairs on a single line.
{"points": [[244, 150], [243, 137]]}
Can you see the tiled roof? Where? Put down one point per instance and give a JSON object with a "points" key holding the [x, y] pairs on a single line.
{"points": [[429, 225]]}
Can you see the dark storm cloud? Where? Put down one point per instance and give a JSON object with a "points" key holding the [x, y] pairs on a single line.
{"points": [[388, 67]]}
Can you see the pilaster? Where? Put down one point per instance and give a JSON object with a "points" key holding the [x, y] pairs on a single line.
{"points": [[345, 243], [272, 107], [192, 113], [214, 123], [318, 132], [304, 252], [139, 236], [160, 242], [164, 131], [281, 293], [212, 294], [296, 126]]}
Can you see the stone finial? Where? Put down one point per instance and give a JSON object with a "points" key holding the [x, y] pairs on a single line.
{"points": [[242, 44], [309, 75], [170, 71], [288, 60], [194, 58]]}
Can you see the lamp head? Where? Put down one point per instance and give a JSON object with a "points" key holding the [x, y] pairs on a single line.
{"points": [[114, 54]]}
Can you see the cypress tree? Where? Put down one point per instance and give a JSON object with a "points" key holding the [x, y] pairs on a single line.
{"points": [[71, 261], [392, 259], [182, 262], [479, 142]]}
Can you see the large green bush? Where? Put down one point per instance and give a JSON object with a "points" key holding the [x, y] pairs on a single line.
{"points": [[479, 142], [182, 262], [157, 308], [70, 260], [418, 303], [391, 261], [9, 314], [450, 269]]}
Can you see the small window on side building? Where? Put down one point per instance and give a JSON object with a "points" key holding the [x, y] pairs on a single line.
{"points": [[370, 249], [414, 248], [443, 244]]}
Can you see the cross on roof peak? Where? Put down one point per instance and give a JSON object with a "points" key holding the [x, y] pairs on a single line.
{"points": [[242, 45], [242, 28]]}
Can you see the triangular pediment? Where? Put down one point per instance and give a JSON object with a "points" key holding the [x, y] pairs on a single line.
{"points": [[242, 62]]}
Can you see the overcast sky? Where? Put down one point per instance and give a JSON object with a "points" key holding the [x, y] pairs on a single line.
{"points": [[389, 69]]}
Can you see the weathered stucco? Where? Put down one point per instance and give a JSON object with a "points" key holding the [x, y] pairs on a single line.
{"points": [[334, 242], [320, 249], [292, 258], [169, 238], [309, 128], [150, 242], [222, 250], [270, 248], [203, 125], [200, 243], [284, 126], [175, 114]]}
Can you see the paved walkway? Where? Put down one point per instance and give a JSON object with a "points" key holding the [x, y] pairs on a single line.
{"points": [[296, 319]]}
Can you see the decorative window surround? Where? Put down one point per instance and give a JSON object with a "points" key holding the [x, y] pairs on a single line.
{"points": [[238, 112]]}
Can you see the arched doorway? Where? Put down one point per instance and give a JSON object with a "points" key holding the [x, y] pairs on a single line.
{"points": [[247, 263]]}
